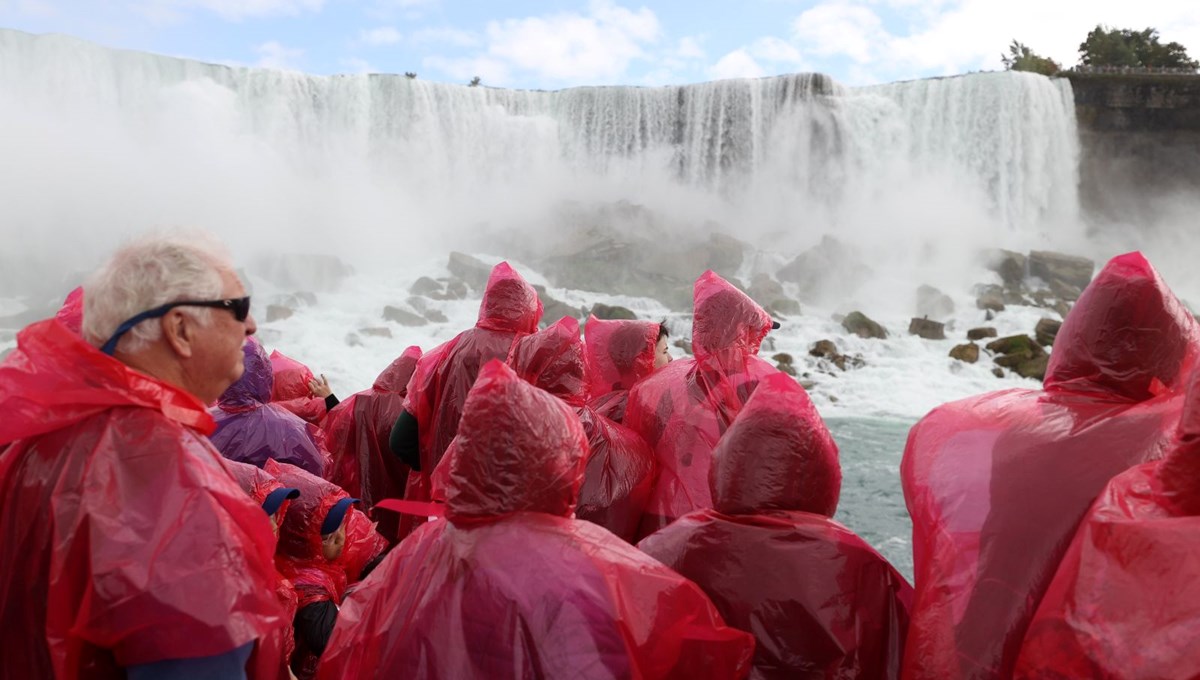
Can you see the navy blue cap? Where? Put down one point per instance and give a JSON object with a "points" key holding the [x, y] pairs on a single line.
{"points": [[275, 499], [337, 513]]}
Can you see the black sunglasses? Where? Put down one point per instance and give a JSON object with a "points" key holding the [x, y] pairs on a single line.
{"points": [[239, 307]]}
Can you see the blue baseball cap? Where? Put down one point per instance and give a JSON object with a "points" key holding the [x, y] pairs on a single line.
{"points": [[337, 513], [275, 499]]}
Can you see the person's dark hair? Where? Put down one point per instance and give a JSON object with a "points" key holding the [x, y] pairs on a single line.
{"points": [[662, 331]]}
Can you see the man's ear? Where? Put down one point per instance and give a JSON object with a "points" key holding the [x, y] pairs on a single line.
{"points": [[179, 332]]}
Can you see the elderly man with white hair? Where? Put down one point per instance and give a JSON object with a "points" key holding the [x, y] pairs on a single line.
{"points": [[126, 548]]}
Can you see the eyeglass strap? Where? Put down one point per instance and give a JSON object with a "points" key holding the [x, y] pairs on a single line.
{"points": [[111, 346]]}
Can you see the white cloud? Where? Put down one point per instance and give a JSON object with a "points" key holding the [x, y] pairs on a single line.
{"points": [[449, 37], [840, 29], [383, 35], [690, 48], [236, 10], [274, 55], [954, 36], [564, 48], [776, 50], [736, 64]]}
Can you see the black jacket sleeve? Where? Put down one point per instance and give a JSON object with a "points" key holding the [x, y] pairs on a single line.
{"points": [[314, 625], [405, 441]]}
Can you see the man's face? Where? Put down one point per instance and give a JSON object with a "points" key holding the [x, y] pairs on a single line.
{"points": [[217, 362], [662, 355]]}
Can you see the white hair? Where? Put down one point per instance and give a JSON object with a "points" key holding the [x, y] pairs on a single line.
{"points": [[148, 272]]}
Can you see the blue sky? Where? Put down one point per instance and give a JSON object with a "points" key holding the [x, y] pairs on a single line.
{"points": [[559, 43]]}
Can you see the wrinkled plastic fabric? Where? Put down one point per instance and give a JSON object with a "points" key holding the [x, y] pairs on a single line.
{"points": [[683, 409], [358, 430], [1124, 602], [619, 353], [775, 482], [620, 466], [71, 312], [113, 509], [300, 556], [510, 309], [997, 484], [291, 391], [258, 484], [510, 587], [251, 429]]}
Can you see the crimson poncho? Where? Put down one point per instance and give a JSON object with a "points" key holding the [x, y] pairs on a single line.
{"points": [[510, 587], [258, 484], [357, 432], [300, 557], [820, 601], [290, 389], [123, 538], [1126, 599], [997, 484], [619, 354], [620, 467], [510, 309], [251, 429], [682, 409]]}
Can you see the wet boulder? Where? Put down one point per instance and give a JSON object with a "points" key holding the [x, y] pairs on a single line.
{"points": [[968, 353], [471, 270], [1046, 330], [403, 316], [930, 330], [612, 312], [981, 333], [1054, 267], [933, 302], [862, 326]]}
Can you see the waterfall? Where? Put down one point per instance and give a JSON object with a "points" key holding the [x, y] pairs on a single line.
{"points": [[110, 141]]}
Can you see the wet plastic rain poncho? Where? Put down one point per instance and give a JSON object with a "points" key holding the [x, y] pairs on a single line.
{"points": [[290, 389], [114, 507], [683, 409], [620, 467], [619, 353], [258, 484], [820, 601], [1126, 599], [997, 484], [510, 309], [300, 557], [251, 429], [510, 587], [357, 432], [71, 312]]}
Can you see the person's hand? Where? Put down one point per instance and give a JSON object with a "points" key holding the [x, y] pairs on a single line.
{"points": [[320, 387]]}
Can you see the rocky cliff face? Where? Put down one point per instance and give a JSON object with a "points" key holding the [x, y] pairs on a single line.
{"points": [[1140, 146]]}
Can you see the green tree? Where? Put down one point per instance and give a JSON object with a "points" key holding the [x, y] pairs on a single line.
{"points": [[1125, 47], [1021, 58]]}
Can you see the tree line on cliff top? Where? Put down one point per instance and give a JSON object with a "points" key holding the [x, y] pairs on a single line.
{"points": [[1107, 47]]}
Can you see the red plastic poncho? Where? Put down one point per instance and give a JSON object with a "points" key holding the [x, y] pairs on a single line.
{"points": [[291, 391], [1124, 602], [300, 534], [775, 482], [682, 410], [251, 429], [620, 467], [997, 484], [619, 353], [71, 312], [258, 484], [510, 309], [510, 587], [358, 429], [114, 509]]}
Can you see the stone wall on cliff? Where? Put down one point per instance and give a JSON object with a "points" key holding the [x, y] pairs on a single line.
{"points": [[1139, 146]]}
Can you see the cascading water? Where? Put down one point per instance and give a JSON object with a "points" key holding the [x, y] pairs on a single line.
{"points": [[291, 156]]}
